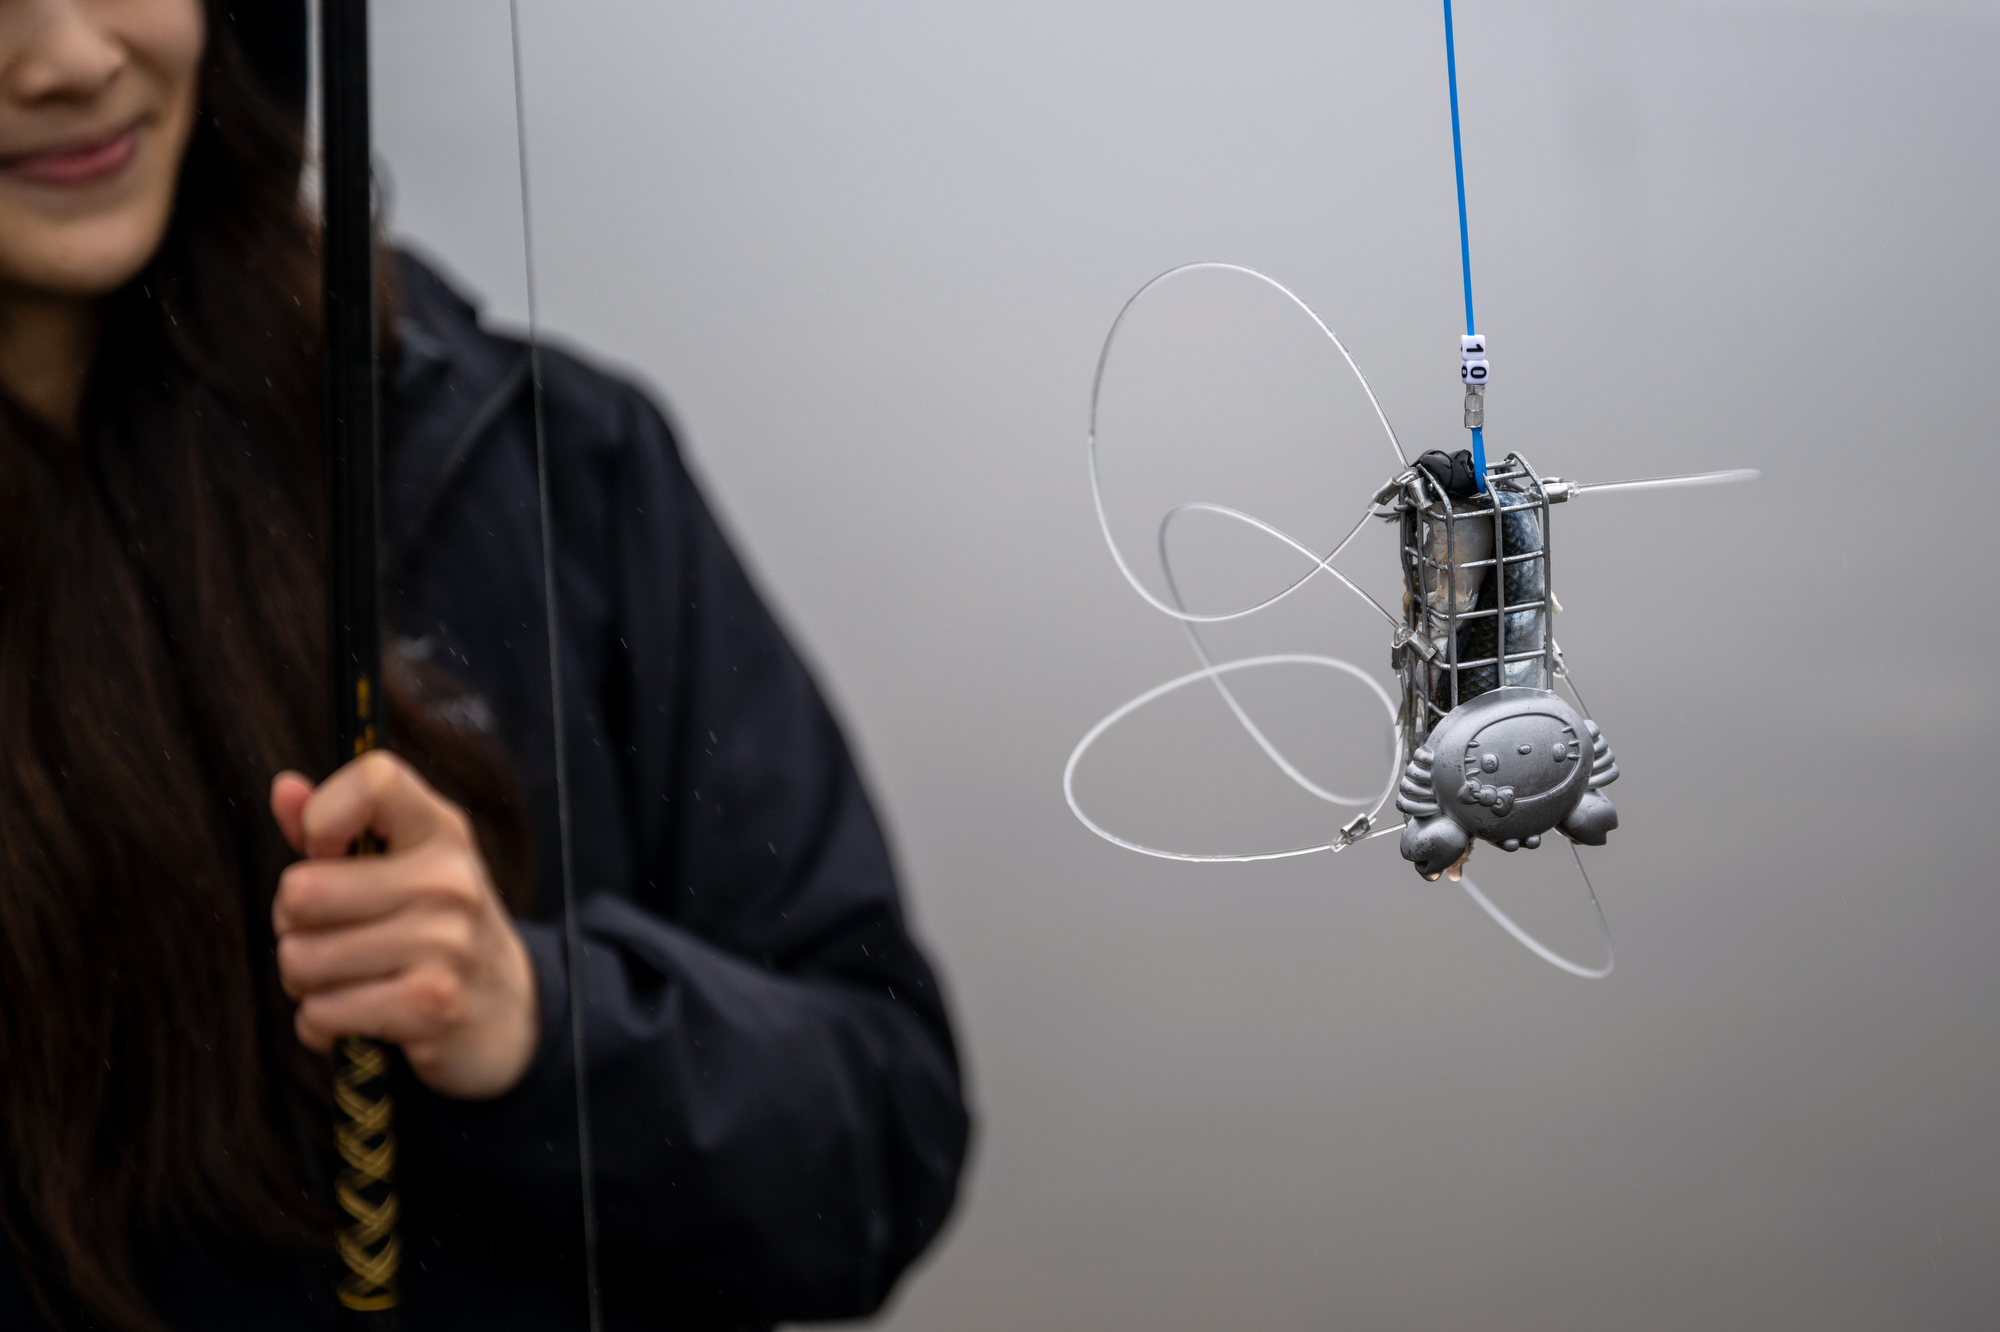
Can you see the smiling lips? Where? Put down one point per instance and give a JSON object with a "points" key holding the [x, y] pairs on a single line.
{"points": [[79, 165]]}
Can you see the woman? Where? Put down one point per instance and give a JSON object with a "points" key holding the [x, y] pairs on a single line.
{"points": [[777, 1120]]}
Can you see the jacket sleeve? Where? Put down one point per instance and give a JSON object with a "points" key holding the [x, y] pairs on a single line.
{"points": [[775, 1107]]}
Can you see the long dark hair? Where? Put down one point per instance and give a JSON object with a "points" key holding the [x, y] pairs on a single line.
{"points": [[161, 640]]}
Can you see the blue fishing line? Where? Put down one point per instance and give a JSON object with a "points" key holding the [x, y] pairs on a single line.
{"points": [[1464, 236]]}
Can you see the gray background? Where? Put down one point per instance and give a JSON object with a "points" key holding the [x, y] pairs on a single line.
{"points": [[867, 251]]}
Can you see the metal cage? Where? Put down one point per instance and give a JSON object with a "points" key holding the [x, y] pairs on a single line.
{"points": [[1477, 591]]}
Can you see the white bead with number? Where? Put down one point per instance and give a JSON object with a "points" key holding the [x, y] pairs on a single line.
{"points": [[1473, 371]]}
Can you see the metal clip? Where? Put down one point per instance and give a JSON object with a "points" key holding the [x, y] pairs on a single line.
{"points": [[1392, 487], [1408, 637], [1354, 832]]}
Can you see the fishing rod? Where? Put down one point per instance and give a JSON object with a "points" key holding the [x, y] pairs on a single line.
{"points": [[363, 1128]]}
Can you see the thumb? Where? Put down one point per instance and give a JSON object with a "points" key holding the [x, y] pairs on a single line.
{"points": [[289, 793]]}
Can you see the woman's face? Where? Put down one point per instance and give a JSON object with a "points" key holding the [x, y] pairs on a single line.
{"points": [[97, 100]]}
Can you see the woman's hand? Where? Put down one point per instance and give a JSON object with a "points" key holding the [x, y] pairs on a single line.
{"points": [[411, 946]]}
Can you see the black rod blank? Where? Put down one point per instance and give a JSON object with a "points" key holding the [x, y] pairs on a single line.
{"points": [[363, 1125]]}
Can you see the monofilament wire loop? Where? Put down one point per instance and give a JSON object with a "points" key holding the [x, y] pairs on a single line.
{"points": [[1212, 672], [1097, 486], [1536, 946], [1271, 751]]}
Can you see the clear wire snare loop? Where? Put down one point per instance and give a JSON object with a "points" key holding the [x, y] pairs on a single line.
{"points": [[1242, 716], [1536, 946], [1214, 671], [1097, 486]]}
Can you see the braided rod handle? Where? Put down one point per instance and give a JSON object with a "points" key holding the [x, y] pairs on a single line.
{"points": [[364, 1132]]}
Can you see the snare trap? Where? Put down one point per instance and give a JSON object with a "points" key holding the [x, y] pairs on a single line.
{"points": [[1486, 748]]}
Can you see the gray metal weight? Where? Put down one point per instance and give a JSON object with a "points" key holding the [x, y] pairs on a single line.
{"points": [[1506, 767]]}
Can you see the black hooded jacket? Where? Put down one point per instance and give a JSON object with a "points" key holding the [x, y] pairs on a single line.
{"points": [[775, 1105]]}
